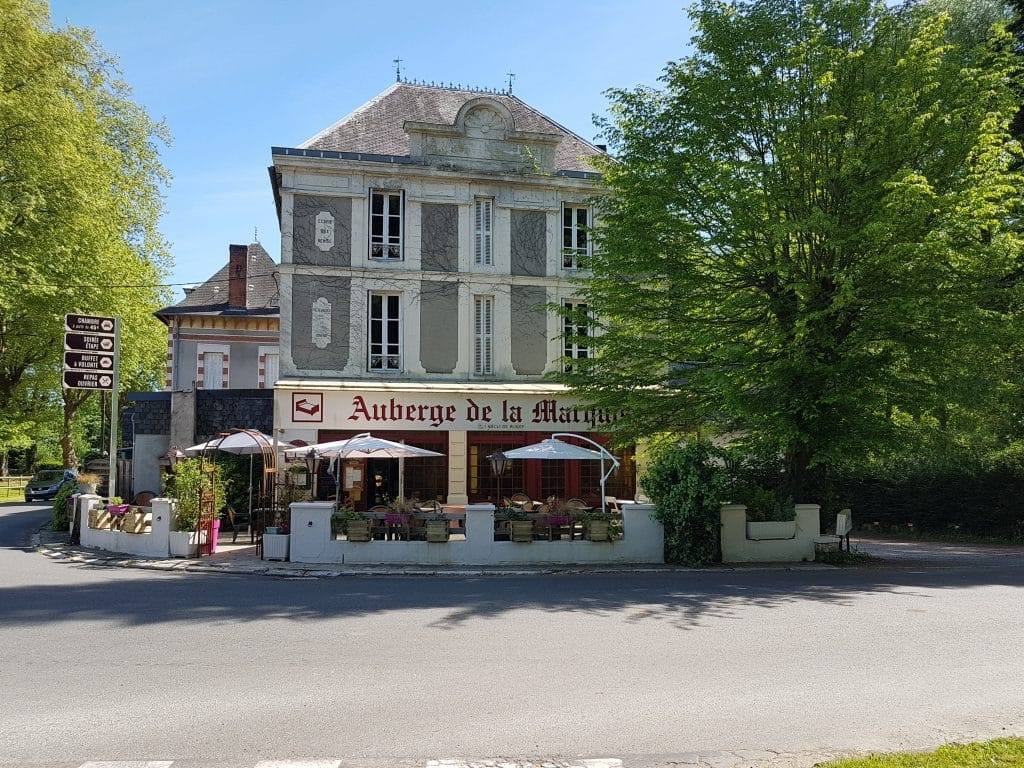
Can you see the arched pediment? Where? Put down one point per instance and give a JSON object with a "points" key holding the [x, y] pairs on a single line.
{"points": [[484, 118]]}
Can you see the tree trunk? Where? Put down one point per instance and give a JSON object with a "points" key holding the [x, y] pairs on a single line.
{"points": [[73, 400], [67, 446], [798, 473]]}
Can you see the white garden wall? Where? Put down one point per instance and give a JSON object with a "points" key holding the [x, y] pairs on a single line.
{"points": [[311, 542]]}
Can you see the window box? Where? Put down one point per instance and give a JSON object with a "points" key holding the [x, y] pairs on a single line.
{"points": [[437, 531], [521, 531]]}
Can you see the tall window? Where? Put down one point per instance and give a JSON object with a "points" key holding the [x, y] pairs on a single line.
{"points": [[385, 332], [213, 370], [483, 335], [386, 224], [483, 215], [575, 333], [575, 245]]}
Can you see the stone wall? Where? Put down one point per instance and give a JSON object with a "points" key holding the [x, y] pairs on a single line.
{"points": [[147, 413], [221, 410]]}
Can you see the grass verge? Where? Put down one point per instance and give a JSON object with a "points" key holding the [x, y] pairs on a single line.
{"points": [[843, 559], [1000, 753]]}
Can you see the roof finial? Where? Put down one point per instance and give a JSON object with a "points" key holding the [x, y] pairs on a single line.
{"points": [[398, 69], [511, 79], [255, 234]]}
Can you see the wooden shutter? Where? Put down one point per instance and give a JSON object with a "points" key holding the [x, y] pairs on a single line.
{"points": [[483, 325], [482, 216]]}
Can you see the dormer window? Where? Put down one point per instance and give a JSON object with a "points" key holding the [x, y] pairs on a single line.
{"points": [[575, 240], [386, 224]]}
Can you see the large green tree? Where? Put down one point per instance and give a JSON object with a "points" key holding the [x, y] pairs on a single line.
{"points": [[80, 199], [804, 236]]}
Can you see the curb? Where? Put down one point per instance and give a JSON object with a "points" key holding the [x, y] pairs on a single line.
{"points": [[98, 558]]}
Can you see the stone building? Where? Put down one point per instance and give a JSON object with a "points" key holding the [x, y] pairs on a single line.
{"points": [[424, 238], [222, 363]]}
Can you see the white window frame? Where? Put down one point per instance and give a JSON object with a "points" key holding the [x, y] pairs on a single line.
{"points": [[483, 335], [571, 254], [261, 362], [390, 248], [483, 231], [222, 349], [571, 349], [383, 353]]}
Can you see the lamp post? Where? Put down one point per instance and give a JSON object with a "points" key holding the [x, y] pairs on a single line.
{"points": [[498, 464], [310, 471]]}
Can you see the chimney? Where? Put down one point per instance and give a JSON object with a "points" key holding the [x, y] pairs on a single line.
{"points": [[238, 276]]}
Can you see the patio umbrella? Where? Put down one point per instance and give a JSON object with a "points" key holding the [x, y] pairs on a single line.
{"points": [[553, 449], [247, 443], [362, 446]]}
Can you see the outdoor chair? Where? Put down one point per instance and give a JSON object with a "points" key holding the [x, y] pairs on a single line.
{"points": [[143, 498], [519, 499], [237, 520]]}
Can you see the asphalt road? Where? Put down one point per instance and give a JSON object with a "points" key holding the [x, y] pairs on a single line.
{"points": [[105, 664]]}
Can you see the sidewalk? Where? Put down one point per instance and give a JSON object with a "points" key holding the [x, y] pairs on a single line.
{"points": [[55, 547]]}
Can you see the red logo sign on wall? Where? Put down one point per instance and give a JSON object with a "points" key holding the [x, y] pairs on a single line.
{"points": [[308, 406]]}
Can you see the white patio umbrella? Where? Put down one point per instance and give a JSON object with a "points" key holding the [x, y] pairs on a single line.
{"points": [[245, 443], [553, 449], [362, 446]]}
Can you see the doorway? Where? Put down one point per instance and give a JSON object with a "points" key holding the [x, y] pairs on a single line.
{"points": [[382, 477]]}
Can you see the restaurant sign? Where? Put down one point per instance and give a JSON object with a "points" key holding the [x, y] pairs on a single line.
{"points": [[446, 412]]}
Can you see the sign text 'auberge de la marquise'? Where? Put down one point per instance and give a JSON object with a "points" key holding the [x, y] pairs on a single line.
{"points": [[513, 413]]}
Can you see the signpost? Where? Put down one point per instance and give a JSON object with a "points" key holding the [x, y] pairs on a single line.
{"points": [[92, 346]]}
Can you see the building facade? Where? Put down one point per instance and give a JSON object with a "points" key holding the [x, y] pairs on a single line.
{"points": [[425, 239], [222, 363]]}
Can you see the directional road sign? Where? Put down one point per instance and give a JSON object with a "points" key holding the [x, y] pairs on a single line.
{"points": [[89, 342], [88, 380], [88, 361], [89, 324]]}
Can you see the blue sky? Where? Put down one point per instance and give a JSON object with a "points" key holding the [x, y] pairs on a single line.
{"points": [[232, 79]]}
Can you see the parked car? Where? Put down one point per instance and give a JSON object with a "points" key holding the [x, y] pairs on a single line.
{"points": [[45, 483]]}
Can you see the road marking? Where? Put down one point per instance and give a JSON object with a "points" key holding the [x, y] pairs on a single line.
{"points": [[298, 764], [128, 764]]}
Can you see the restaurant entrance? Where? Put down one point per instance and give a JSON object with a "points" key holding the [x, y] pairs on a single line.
{"points": [[382, 478]]}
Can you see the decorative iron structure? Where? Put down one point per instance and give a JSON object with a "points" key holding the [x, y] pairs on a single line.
{"points": [[266, 498]]}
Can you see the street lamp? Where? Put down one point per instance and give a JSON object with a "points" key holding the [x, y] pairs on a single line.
{"points": [[310, 471], [498, 464]]}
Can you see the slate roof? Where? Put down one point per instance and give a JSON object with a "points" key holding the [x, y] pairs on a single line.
{"points": [[211, 297], [377, 126]]}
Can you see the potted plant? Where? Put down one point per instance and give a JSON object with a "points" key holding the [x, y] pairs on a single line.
{"points": [[87, 482], [190, 478], [597, 526]]}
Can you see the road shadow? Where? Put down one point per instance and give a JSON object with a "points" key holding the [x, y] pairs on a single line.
{"points": [[682, 599]]}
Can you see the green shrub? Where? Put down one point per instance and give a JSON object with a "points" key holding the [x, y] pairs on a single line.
{"points": [[687, 484], [60, 520], [184, 484]]}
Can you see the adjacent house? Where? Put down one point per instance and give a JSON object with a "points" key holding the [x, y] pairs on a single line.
{"points": [[425, 238], [222, 363]]}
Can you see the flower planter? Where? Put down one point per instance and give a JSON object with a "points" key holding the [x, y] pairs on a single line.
{"points": [[597, 530], [437, 531], [185, 543], [134, 521], [100, 519], [522, 531], [275, 546], [358, 530]]}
